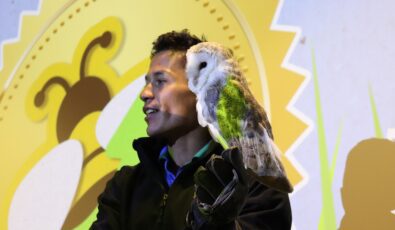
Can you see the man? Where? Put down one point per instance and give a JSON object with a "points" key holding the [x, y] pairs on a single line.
{"points": [[184, 179]]}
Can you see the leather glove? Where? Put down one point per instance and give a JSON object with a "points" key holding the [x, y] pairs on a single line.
{"points": [[221, 190]]}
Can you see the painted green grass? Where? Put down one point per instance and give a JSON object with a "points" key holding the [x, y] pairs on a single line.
{"points": [[336, 151], [328, 217], [376, 121]]}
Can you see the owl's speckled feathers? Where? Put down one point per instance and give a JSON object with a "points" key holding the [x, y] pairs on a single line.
{"points": [[226, 105]]}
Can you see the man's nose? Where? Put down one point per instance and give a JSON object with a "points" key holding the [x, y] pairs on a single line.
{"points": [[147, 93]]}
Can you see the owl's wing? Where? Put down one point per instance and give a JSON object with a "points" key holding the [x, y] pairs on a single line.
{"points": [[271, 170], [242, 122]]}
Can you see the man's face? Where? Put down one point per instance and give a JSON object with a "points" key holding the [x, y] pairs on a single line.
{"points": [[169, 105]]}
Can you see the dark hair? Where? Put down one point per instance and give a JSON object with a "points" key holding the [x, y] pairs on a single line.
{"points": [[175, 41]]}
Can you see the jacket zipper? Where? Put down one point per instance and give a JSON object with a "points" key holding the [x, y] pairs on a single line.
{"points": [[162, 208], [162, 204]]}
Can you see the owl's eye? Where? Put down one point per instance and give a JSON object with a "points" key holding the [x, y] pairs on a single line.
{"points": [[202, 65]]}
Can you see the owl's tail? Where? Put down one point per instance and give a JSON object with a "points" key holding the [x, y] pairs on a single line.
{"points": [[262, 157]]}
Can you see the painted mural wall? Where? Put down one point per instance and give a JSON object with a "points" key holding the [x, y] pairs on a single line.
{"points": [[71, 72]]}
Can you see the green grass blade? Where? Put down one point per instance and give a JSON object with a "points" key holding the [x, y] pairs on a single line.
{"points": [[328, 218], [336, 151], [377, 129]]}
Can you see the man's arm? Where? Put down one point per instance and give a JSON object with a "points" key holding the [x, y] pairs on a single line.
{"points": [[265, 208], [227, 197]]}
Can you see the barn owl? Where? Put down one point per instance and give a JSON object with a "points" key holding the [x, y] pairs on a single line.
{"points": [[233, 116]]}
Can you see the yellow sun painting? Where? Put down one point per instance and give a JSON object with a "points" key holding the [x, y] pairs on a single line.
{"points": [[76, 58]]}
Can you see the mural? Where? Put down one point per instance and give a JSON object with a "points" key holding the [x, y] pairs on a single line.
{"points": [[71, 83], [71, 72]]}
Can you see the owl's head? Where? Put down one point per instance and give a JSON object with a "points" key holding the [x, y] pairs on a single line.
{"points": [[203, 59]]}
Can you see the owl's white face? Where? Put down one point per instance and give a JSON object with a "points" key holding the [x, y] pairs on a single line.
{"points": [[202, 60], [198, 69]]}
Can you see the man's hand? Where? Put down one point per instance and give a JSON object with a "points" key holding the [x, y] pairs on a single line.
{"points": [[221, 190]]}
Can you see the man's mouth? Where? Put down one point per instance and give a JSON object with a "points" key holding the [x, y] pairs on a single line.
{"points": [[150, 111]]}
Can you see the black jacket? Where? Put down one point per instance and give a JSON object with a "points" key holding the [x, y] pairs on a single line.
{"points": [[137, 197]]}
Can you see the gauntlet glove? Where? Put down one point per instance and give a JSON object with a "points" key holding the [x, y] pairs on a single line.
{"points": [[221, 190]]}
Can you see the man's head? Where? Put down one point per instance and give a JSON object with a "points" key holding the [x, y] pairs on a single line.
{"points": [[175, 42], [169, 105]]}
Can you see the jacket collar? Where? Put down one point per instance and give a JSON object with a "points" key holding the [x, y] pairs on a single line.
{"points": [[148, 150]]}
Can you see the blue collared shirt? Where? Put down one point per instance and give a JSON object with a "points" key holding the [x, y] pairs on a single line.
{"points": [[165, 155]]}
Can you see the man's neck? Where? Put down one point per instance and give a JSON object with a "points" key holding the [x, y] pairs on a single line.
{"points": [[185, 147]]}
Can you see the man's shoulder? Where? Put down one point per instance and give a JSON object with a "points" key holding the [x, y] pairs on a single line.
{"points": [[127, 170], [125, 173]]}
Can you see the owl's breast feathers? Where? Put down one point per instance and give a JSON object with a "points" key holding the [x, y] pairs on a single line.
{"points": [[211, 99]]}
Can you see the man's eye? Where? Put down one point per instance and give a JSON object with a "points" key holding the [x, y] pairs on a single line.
{"points": [[158, 82]]}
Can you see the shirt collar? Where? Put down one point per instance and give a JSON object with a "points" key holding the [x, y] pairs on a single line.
{"points": [[164, 153]]}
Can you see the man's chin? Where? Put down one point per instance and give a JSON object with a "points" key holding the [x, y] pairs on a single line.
{"points": [[150, 133], [155, 133], [165, 135]]}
